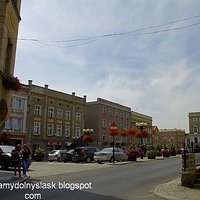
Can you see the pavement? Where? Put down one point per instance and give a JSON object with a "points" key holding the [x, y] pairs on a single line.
{"points": [[172, 190]]}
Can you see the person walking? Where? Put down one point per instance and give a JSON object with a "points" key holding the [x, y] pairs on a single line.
{"points": [[26, 152], [16, 159]]}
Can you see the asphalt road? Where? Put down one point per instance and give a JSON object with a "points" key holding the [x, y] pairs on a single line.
{"points": [[133, 181]]}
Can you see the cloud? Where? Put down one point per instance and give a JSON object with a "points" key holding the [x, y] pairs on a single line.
{"points": [[155, 74]]}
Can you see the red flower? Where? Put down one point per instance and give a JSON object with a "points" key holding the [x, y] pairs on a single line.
{"points": [[141, 134], [114, 132], [131, 131], [88, 138], [123, 133], [12, 83]]}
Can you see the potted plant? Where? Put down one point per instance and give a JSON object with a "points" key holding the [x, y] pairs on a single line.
{"points": [[151, 152], [39, 154], [132, 153], [11, 83], [172, 150], [165, 152]]}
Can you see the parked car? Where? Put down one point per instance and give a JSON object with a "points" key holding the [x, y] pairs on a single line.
{"points": [[85, 154], [106, 154], [5, 156], [56, 155], [67, 156]]}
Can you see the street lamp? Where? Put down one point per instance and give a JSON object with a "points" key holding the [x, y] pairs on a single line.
{"points": [[87, 132], [141, 126]]}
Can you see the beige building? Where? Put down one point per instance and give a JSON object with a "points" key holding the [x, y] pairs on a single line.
{"points": [[9, 23], [15, 126], [100, 114], [139, 117], [54, 118], [194, 128], [171, 136]]}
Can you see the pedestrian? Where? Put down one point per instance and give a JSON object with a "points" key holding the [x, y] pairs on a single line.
{"points": [[26, 152], [16, 159]]}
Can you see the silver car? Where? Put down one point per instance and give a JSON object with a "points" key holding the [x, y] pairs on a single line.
{"points": [[107, 155], [56, 155]]}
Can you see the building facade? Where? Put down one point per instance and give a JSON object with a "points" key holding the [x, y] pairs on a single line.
{"points": [[9, 23], [99, 116], [139, 117], [194, 128], [15, 127], [171, 136], [54, 118]]}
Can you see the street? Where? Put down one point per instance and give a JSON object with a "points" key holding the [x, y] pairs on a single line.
{"points": [[135, 180]]}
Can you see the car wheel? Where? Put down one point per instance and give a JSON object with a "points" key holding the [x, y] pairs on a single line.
{"points": [[88, 159], [50, 160], [111, 160], [59, 159], [99, 162]]}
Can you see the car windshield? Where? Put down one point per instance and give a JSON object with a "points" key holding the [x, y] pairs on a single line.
{"points": [[6, 149], [107, 150], [54, 152], [70, 151]]}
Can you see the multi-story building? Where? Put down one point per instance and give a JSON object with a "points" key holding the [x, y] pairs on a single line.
{"points": [[194, 128], [171, 136], [9, 22], [99, 116], [138, 117], [54, 118], [15, 127]]}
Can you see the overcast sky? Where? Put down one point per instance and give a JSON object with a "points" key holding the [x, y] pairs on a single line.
{"points": [[144, 54]]}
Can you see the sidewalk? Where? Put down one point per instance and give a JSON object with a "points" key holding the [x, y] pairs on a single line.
{"points": [[173, 190]]}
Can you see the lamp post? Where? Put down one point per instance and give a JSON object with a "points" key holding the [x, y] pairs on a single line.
{"points": [[141, 126], [88, 132]]}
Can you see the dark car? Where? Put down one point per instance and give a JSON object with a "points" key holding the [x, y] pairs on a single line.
{"points": [[85, 154], [5, 156], [67, 156]]}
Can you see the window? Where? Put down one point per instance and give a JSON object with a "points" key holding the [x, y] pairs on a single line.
{"points": [[104, 110], [195, 119], [50, 130], [78, 132], [38, 110], [67, 115], [59, 130], [78, 117], [36, 128], [67, 131], [195, 129], [104, 123], [122, 114], [59, 113], [122, 126], [116, 114], [16, 124], [17, 104], [51, 112], [8, 124], [104, 137], [110, 111]]}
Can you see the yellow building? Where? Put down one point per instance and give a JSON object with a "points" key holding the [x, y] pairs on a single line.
{"points": [[9, 23]]}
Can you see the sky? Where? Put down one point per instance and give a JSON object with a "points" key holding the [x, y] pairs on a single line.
{"points": [[139, 53]]}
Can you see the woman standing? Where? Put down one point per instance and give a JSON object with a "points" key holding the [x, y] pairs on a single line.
{"points": [[26, 152], [16, 159]]}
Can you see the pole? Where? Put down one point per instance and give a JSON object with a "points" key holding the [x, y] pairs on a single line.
{"points": [[113, 148], [184, 157]]}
